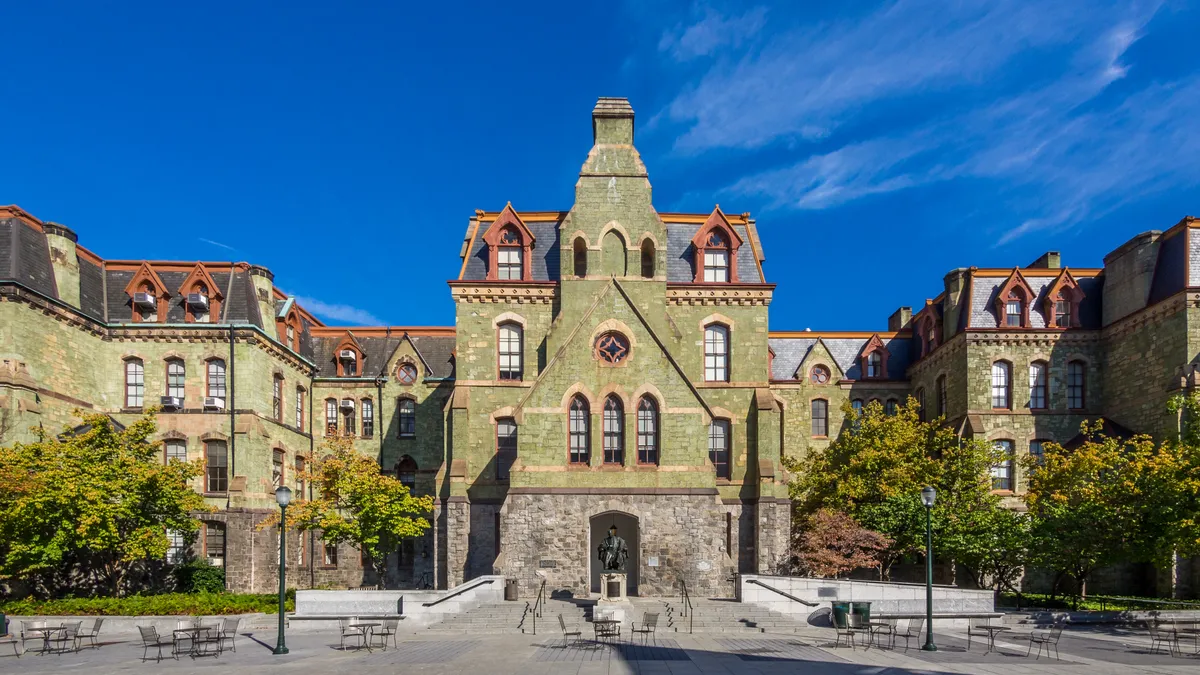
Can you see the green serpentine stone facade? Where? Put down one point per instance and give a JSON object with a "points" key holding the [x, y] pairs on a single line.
{"points": [[613, 305]]}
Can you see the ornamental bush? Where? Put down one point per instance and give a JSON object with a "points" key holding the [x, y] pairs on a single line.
{"points": [[199, 576], [168, 604]]}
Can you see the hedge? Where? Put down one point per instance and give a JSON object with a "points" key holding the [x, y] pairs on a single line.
{"points": [[168, 604]]}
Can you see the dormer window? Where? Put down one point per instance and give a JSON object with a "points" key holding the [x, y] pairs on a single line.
{"points": [[348, 357], [288, 329], [716, 258], [716, 244], [873, 359], [874, 364], [291, 337], [1012, 313], [201, 296], [197, 302], [508, 257], [1062, 302], [1062, 313], [928, 329], [148, 296], [510, 247]]}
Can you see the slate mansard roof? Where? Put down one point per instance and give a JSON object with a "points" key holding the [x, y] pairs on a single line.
{"points": [[845, 348], [985, 290], [546, 228], [25, 256], [434, 346]]}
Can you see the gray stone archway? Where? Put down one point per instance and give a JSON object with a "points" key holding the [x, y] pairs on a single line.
{"points": [[627, 529]]}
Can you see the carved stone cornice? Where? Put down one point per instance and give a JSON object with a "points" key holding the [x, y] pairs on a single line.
{"points": [[758, 295], [1033, 338], [492, 292]]}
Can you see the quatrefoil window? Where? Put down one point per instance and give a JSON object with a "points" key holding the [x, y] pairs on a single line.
{"points": [[612, 348], [509, 237], [715, 240]]}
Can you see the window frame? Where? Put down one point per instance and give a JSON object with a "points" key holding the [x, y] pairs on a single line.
{"points": [[1004, 471], [1076, 391], [647, 431], [819, 418], [942, 396], [278, 459], [277, 398], [613, 431], [216, 374], [332, 424], [406, 417], [720, 451], [366, 409], [135, 383], [1039, 392], [349, 417], [510, 352], [579, 432], [176, 381], [300, 407], [1005, 368], [874, 365], [716, 363], [216, 474], [406, 374], [506, 446], [168, 455]]}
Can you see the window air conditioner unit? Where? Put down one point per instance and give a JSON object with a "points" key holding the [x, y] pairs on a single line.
{"points": [[171, 402], [197, 300], [145, 300], [347, 354], [347, 404], [213, 403]]}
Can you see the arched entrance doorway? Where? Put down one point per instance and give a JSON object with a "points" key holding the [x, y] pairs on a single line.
{"points": [[627, 529]]}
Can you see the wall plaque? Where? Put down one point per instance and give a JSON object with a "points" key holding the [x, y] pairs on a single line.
{"points": [[547, 563], [652, 561]]}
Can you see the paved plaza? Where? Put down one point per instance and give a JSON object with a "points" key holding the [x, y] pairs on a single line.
{"points": [[1097, 651]]}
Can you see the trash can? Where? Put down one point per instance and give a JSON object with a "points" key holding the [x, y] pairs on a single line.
{"points": [[838, 617], [861, 610], [510, 589]]}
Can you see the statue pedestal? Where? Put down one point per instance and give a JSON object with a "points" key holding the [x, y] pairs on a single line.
{"points": [[612, 587], [614, 602]]}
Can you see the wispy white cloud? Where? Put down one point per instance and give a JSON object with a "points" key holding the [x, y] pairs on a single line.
{"points": [[217, 243], [1063, 143], [712, 31], [340, 313]]}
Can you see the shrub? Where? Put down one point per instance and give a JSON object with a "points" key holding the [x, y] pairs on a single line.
{"points": [[199, 576], [169, 604]]}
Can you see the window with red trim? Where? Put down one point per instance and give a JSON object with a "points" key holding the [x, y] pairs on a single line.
{"points": [[579, 431]]}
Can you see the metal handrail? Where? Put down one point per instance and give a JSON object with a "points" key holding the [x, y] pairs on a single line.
{"points": [[458, 592], [789, 596], [685, 604], [539, 605]]}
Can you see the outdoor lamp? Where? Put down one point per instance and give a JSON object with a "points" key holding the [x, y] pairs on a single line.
{"points": [[928, 494], [283, 496]]}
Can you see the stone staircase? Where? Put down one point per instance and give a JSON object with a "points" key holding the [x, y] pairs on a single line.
{"points": [[509, 618], [717, 616]]}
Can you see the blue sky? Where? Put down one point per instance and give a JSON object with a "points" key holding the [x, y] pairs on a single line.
{"points": [[345, 145]]}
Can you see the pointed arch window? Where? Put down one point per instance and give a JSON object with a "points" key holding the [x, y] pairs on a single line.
{"points": [[506, 446], [135, 383], [647, 429], [368, 418], [349, 415], [889, 407], [647, 259], [510, 351], [716, 353], [1039, 386], [614, 431], [579, 255], [406, 472], [1001, 385], [406, 414], [579, 431]]}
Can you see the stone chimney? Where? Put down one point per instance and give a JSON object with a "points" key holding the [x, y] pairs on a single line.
{"points": [[612, 121], [1050, 260], [900, 319], [64, 258], [955, 302], [1128, 274]]}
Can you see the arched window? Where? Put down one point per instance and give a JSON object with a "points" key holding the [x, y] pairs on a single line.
{"points": [[198, 302], [406, 414], [647, 259], [580, 255], [1039, 386], [941, 396], [176, 377], [718, 447], [215, 376], [874, 365], [647, 431], [175, 449], [368, 418], [508, 255], [299, 407], [889, 408], [216, 467], [716, 353], [331, 417], [348, 417], [1014, 310], [716, 257], [135, 383], [1076, 379], [277, 398], [510, 351], [612, 254], [857, 406], [406, 472], [291, 336], [579, 431], [819, 375], [820, 418], [1001, 385], [506, 446], [1002, 473], [614, 431]]}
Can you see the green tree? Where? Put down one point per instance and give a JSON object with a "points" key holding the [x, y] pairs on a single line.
{"points": [[356, 504], [994, 548], [102, 498], [875, 470]]}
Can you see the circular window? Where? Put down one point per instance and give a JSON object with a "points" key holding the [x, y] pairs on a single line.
{"points": [[819, 375], [406, 373], [612, 348]]}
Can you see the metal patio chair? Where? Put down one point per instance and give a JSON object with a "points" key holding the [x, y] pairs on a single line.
{"points": [[91, 633], [568, 634], [387, 629], [152, 640], [345, 626], [1160, 636], [33, 631], [649, 624], [228, 633], [1046, 640], [67, 639], [844, 629], [912, 630]]}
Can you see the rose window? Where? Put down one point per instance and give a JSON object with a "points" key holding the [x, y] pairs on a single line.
{"points": [[820, 375], [612, 348]]}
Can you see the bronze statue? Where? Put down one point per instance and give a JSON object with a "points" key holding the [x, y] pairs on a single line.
{"points": [[613, 551]]}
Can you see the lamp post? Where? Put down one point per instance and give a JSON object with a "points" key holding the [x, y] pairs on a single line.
{"points": [[283, 495], [928, 494]]}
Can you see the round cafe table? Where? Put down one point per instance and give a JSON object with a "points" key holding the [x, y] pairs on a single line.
{"points": [[606, 628], [366, 628]]}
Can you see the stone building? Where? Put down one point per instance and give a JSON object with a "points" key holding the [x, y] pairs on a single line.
{"points": [[609, 364]]}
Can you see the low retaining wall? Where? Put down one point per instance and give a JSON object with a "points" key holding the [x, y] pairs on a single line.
{"points": [[321, 609], [114, 625], [885, 597]]}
